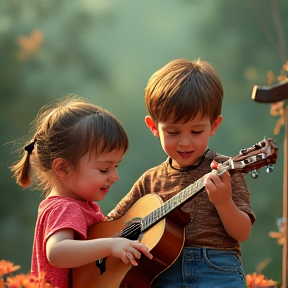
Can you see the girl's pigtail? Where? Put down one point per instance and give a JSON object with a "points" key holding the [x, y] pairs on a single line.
{"points": [[22, 168]]}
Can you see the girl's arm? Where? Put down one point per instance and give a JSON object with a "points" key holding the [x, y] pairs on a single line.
{"points": [[236, 222], [64, 252]]}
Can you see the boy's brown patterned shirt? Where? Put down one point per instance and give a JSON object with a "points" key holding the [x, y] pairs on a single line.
{"points": [[205, 228]]}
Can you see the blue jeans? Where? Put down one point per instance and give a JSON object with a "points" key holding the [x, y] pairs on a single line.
{"points": [[203, 268]]}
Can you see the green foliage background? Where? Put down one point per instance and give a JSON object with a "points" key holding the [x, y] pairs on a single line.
{"points": [[106, 50]]}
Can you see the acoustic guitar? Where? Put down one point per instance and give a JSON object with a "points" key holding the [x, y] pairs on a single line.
{"points": [[160, 226]]}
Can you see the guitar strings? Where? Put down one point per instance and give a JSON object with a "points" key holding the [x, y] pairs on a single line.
{"points": [[130, 230]]}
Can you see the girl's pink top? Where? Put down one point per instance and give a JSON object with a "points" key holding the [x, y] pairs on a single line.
{"points": [[56, 213]]}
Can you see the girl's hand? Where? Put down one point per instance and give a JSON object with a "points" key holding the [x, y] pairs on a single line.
{"points": [[129, 250], [218, 188]]}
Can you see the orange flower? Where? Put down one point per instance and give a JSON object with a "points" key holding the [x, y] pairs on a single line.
{"points": [[17, 281], [21, 280], [258, 281], [277, 108], [27, 281], [270, 77], [7, 267], [30, 45], [280, 235]]}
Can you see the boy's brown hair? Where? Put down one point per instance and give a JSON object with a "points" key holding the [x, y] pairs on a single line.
{"points": [[183, 88]]}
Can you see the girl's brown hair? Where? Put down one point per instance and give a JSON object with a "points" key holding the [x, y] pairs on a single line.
{"points": [[182, 89], [67, 129]]}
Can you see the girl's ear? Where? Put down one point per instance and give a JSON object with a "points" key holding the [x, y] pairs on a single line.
{"points": [[59, 166], [216, 123], [152, 125]]}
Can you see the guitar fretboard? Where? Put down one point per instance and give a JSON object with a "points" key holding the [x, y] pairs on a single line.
{"points": [[174, 202], [180, 198]]}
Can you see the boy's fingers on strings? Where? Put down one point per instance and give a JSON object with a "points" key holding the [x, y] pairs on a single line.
{"points": [[208, 180], [209, 183], [214, 179]]}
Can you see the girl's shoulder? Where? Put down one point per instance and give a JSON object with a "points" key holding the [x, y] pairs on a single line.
{"points": [[56, 202], [56, 205]]}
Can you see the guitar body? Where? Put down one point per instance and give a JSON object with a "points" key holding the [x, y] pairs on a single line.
{"points": [[165, 241]]}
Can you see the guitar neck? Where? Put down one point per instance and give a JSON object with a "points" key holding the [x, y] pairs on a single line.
{"points": [[180, 198], [176, 201]]}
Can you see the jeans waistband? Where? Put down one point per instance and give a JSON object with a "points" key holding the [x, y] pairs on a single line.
{"points": [[197, 253]]}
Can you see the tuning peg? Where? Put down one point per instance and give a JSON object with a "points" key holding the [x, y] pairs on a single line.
{"points": [[269, 169], [257, 146], [254, 174], [243, 151]]}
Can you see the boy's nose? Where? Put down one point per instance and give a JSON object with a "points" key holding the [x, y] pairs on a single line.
{"points": [[184, 142]]}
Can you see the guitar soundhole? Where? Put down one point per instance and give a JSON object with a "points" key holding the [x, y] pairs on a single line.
{"points": [[132, 229]]}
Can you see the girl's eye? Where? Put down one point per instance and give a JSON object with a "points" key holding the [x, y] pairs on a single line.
{"points": [[103, 170], [173, 133], [197, 132]]}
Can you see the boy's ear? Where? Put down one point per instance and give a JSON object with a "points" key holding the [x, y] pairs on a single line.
{"points": [[152, 125], [59, 166], [216, 123]]}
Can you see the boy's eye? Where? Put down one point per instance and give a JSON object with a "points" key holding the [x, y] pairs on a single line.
{"points": [[172, 132], [197, 132]]}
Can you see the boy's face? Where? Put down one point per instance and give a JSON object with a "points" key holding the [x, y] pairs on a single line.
{"points": [[185, 143]]}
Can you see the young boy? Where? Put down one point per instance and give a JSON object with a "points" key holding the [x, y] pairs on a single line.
{"points": [[184, 102]]}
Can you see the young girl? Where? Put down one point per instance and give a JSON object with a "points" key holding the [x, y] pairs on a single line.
{"points": [[73, 156]]}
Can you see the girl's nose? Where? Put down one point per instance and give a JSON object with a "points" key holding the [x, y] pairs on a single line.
{"points": [[113, 177]]}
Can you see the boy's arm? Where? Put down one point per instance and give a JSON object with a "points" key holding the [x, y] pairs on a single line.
{"points": [[237, 223]]}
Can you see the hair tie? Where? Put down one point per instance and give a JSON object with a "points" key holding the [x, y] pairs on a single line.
{"points": [[30, 147]]}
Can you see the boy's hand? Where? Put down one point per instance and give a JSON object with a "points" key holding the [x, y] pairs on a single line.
{"points": [[129, 251], [218, 188]]}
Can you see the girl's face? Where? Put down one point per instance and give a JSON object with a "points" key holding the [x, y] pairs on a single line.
{"points": [[185, 143], [93, 177]]}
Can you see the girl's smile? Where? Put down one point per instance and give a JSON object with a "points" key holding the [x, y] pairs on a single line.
{"points": [[105, 189]]}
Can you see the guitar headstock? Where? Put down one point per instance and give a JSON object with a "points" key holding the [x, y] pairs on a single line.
{"points": [[263, 153]]}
